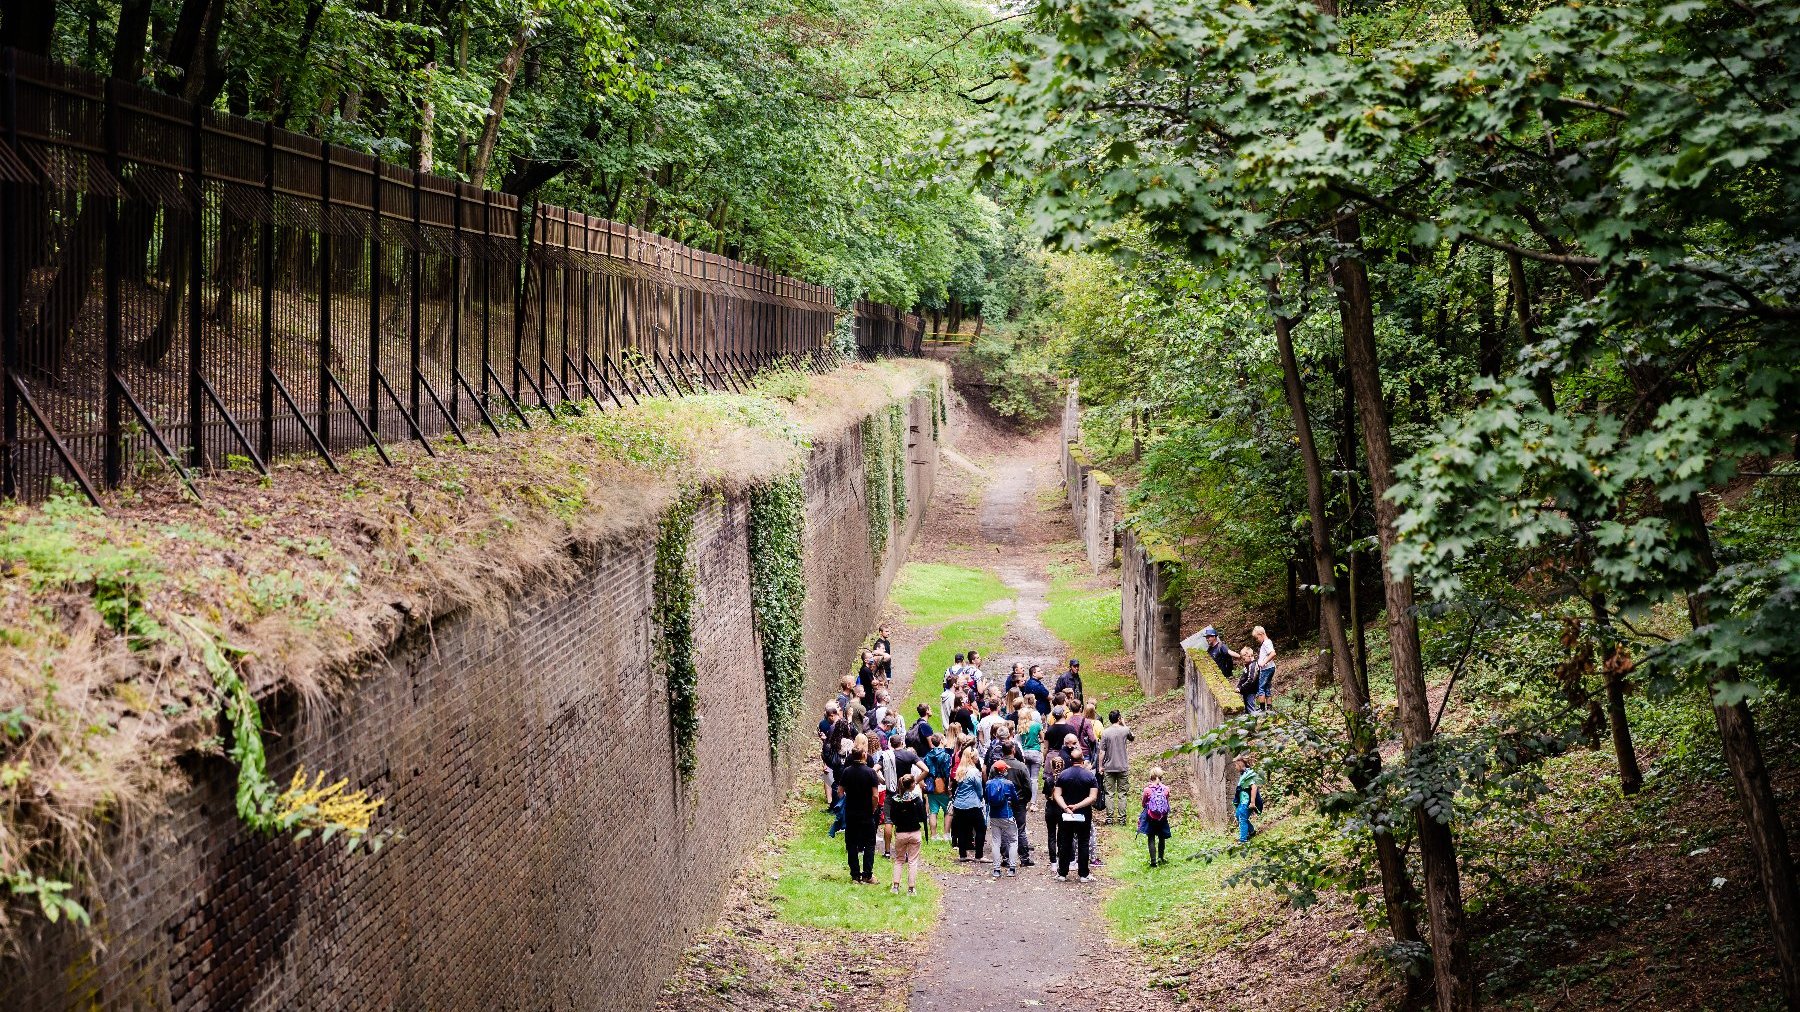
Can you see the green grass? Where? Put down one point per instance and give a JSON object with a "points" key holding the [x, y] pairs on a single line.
{"points": [[983, 633], [1086, 620], [1157, 908], [815, 888], [934, 592]]}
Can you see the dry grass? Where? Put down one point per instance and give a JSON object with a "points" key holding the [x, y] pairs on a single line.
{"points": [[307, 576]]}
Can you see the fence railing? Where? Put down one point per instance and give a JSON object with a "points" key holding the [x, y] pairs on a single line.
{"points": [[186, 288]]}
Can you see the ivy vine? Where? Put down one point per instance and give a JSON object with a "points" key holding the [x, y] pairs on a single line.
{"points": [[937, 410], [673, 612], [879, 483], [897, 449], [778, 597]]}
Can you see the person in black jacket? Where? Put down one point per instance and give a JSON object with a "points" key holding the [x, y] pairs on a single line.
{"points": [[919, 737], [1071, 680]]}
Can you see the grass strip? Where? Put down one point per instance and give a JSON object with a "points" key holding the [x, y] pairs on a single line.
{"points": [[814, 887], [934, 592]]}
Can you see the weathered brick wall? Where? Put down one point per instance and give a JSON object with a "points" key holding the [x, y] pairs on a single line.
{"points": [[1210, 701], [551, 859], [1093, 500]]}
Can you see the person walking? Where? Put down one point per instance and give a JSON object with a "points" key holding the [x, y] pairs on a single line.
{"points": [[937, 789], [1248, 798], [966, 803], [1003, 830], [909, 832], [1075, 793], [1265, 667], [859, 785], [1115, 767], [1153, 817]]}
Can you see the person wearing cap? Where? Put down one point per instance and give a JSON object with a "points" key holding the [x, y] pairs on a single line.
{"points": [[1021, 776], [1071, 679], [1219, 652], [1003, 827]]}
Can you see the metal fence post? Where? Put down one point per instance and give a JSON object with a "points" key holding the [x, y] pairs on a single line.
{"points": [[456, 297], [375, 255], [196, 342], [418, 275], [324, 317], [10, 260], [112, 470], [265, 399]]}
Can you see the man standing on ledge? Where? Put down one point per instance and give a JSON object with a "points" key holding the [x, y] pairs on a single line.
{"points": [[1071, 680]]}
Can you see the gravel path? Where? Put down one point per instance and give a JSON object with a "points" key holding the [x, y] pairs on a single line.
{"points": [[1007, 942]]}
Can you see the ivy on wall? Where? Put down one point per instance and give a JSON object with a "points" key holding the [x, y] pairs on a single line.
{"points": [[897, 450], [877, 462], [778, 597], [672, 610]]}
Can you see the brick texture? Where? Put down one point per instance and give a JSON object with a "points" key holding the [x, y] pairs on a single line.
{"points": [[550, 857]]}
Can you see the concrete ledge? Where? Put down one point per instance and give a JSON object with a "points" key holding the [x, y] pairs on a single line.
{"points": [[1200, 665]]}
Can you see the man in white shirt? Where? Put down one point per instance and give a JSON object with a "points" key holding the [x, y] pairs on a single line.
{"points": [[1265, 667], [984, 731]]}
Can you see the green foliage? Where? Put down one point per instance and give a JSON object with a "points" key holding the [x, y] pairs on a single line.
{"points": [[896, 417], [1086, 620], [1016, 372], [672, 611], [932, 592], [776, 536], [878, 483]]}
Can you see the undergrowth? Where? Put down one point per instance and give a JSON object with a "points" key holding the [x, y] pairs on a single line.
{"points": [[778, 597]]}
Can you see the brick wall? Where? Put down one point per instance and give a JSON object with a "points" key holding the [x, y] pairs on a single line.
{"points": [[1093, 499], [550, 859], [1149, 622]]}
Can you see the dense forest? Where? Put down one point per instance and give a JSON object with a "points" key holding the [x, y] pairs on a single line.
{"points": [[1482, 317], [795, 135], [1474, 323]]}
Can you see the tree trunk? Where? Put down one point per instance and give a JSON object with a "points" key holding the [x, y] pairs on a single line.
{"points": [[1456, 990], [1396, 885], [503, 84], [1743, 754]]}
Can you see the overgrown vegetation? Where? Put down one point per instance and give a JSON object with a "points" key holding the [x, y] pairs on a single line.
{"points": [[1474, 317], [878, 485], [130, 637], [897, 454], [776, 536], [672, 611]]}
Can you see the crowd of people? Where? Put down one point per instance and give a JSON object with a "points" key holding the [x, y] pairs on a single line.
{"points": [[972, 773]]}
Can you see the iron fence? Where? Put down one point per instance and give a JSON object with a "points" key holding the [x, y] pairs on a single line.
{"points": [[184, 287]]}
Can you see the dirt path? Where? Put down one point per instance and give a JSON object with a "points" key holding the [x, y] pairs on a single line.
{"points": [[1032, 940]]}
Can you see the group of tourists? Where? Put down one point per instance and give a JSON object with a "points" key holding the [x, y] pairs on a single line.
{"points": [[1251, 670], [998, 750]]}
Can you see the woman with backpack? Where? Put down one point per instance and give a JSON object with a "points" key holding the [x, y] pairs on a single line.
{"points": [[937, 784], [909, 825], [1153, 818]]}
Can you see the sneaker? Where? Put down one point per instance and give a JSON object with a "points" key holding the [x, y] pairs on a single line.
{"points": [[996, 873], [1012, 873], [1062, 878], [1028, 863], [911, 891], [895, 889], [1087, 878]]}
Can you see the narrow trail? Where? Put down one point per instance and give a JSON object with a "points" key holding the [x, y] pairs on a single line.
{"points": [[1002, 940]]}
